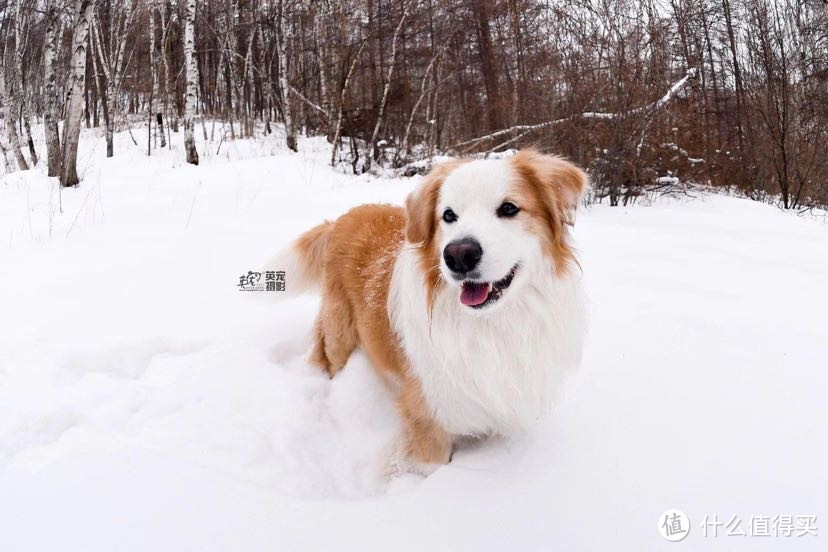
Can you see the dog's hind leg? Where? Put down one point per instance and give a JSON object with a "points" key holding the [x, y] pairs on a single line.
{"points": [[336, 335]]}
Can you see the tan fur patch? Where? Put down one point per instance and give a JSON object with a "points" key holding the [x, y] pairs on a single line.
{"points": [[423, 221], [549, 190], [360, 249]]}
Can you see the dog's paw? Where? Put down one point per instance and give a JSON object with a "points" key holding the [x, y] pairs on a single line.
{"points": [[398, 460]]}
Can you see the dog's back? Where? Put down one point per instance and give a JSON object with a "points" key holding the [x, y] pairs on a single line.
{"points": [[351, 260]]}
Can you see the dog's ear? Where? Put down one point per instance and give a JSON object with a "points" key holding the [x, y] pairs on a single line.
{"points": [[420, 212], [421, 205], [561, 183]]}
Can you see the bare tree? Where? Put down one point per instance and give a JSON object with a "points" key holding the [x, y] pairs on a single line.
{"points": [[191, 68], [111, 50], [8, 96], [9, 110], [428, 77], [155, 98], [75, 104], [282, 62], [51, 49], [7, 161], [418, 78], [371, 149], [343, 94], [21, 46], [482, 14]]}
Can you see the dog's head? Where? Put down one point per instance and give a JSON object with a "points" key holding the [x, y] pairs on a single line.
{"points": [[487, 227]]}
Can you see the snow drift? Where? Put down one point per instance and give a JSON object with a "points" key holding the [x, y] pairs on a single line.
{"points": [[145, 403]]}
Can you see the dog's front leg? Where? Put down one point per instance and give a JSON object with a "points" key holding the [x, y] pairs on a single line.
{"points": [[426, 440]]}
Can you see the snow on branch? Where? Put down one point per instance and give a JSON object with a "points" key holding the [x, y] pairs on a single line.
{"points": [[525, 129], [308, 102], [674, 89]]}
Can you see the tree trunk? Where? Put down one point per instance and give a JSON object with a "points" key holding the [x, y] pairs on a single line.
{"points": [[7, 162], [74, 107], [246, 86], [156, 78], [10, 115], [110, 122], [165, 26], [404, 149], [371, 149], [281, 52], [192, 83], [482, 12], [342, 96], [50, 116], [27, 128], [21, 40], [105, 92], [737, 76], [321, 60]]}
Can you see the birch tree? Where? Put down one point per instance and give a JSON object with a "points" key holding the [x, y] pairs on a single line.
{"points": [[7, 95], [284, 86], [21, 43], [112, 52], [585, 79], [169, 83], [191, 68], [155, 98], [343, 94], [319, 20], [7, 161], [10, 115], [54, 29], [76, 84], [11, 125], [371, 149], [404, 148]]}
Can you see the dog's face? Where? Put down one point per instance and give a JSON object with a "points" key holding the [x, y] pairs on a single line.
{"points": [[487, 228]]}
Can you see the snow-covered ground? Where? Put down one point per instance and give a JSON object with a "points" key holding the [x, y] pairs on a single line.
{"points": [[147, 404]]}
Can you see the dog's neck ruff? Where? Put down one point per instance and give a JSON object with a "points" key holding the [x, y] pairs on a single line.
{"points": [[495, 372]]}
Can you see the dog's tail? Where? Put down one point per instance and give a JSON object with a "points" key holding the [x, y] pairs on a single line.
{"points": [[303, 261]]}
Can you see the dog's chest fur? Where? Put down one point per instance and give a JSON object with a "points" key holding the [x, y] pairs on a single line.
{"points": [[488, 374]]}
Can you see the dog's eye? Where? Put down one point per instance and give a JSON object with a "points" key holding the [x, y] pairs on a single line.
{"points": [[507, 209], [449, 216]]}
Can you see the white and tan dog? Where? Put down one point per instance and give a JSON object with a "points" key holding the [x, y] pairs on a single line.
{"points": [[468, 301]]}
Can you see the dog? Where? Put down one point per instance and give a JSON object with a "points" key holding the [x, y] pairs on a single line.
{"points": [[468, 301]]}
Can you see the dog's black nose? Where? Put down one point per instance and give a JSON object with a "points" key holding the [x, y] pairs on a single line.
{"points": [[462, 255]]}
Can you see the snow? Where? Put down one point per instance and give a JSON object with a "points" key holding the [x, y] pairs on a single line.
{"points": [[145, 403]]}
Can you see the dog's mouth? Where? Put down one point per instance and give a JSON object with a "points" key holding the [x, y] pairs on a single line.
{"points": [[481, 294]]}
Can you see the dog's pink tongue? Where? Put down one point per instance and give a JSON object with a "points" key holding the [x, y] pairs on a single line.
{"points": [[474, 294]]}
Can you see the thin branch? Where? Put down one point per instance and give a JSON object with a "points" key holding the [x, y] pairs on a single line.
{"points": [[649, 108]]}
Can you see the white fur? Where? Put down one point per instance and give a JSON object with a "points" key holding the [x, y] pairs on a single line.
{"points": [[474, 191], [298, 281], [495, 369]]}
